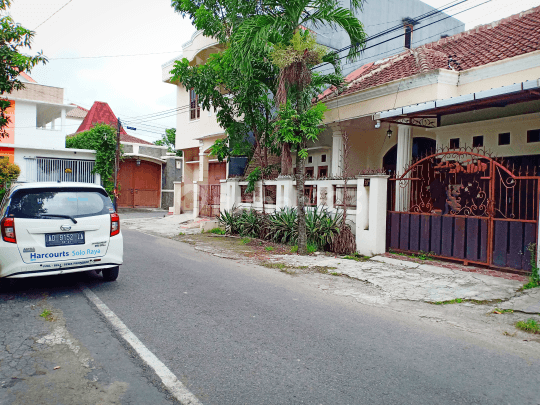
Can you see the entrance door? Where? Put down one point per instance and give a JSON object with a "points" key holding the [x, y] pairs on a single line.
{"points": [[125, 181], [463, 205], [147, 185]]}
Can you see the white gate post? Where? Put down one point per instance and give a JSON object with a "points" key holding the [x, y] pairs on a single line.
{"points": [[195, 200], [371, 215]]}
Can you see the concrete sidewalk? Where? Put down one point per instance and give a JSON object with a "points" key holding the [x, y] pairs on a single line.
{"points": [[403, 280]]}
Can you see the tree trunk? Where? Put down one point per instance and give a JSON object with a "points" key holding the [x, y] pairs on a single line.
{"points": [[286, 160], [300, 198]]}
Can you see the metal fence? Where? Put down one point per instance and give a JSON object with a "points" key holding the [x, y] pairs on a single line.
{"points": [[51, 169]]}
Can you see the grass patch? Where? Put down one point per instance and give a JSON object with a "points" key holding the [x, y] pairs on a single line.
{"points": [[335, 274], [534, 279], [530, 326], [245, 241], [294, 249], [217, 231], [421, 255], [181, 234], [499, 311], [357, 257], [461, 300], [48, 315], [279, 266], [454, 301], [269, 248], [311, 248], [289, 272]]}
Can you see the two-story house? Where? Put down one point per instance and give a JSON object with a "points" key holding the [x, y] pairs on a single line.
{"points": [[391, 25], [37, 133]]}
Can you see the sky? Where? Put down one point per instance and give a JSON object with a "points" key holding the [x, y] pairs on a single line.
{"points": [[76, 37]]}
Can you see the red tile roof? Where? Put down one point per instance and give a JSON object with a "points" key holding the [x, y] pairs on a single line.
{"points": [[512, 36], [79, 112], [102, 113]]}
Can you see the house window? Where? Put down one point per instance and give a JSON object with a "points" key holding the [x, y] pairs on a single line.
{"points": [[454, 143], [408, 36], [194, 108], [504, 139], [478, 141], [323, 171], [310, 171], [310, 159], [323, 158], [310, 191], [533, 135]]}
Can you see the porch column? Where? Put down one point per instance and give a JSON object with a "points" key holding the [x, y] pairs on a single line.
{"points": [[404, 157], [337, 150], [203, 167], [63, 121]]}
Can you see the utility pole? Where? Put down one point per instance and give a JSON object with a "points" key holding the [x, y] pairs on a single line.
{"points": [[117, 163]]}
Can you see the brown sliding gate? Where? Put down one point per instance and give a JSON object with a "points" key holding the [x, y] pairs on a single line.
{"points": [[463, 205], [209, 200]]}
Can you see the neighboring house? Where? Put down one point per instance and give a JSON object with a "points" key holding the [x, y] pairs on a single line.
{"points": [[197, 130], [147, 172], [75, 117], [37, 132], [458, 122], [391, 25]]}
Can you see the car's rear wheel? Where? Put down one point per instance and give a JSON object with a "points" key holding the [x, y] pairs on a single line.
{"points": [[111, 274]]}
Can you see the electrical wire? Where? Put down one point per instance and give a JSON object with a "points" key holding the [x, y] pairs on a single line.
{"points": [[53, 14]]}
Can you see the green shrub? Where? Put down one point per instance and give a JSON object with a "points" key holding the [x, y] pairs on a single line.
{"points": [[534, 279], [217, 231], [311, 248], [229, 220], [322, 226], [294, 249], [283, 226], [269, 248], [249, 223]]}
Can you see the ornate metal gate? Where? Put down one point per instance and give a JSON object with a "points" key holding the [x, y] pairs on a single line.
{"points": [[465, 205], [209, 200]]}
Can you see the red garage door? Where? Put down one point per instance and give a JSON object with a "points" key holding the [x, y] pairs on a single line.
{"points": [[140, 186]]}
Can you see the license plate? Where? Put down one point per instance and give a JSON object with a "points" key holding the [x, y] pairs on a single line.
{"points": [[63, 239]]}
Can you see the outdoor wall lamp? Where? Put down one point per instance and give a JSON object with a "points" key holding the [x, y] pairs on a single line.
{"points": [[378, 124], [138, 162], [389, 133]]}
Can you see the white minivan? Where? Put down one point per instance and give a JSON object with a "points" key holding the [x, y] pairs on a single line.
{"points": [[59, 228]]}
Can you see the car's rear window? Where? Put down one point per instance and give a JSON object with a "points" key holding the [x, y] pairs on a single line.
{"points": [[36, 203]]}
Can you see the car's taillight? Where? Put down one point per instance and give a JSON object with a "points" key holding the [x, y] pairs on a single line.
{"points": [[8, 230], [115, 224]]}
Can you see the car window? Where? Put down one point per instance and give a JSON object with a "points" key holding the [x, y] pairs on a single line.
{"points": [[36, 203]]}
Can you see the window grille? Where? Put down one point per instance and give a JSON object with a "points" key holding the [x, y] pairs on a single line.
{"points": [[339, 192]]}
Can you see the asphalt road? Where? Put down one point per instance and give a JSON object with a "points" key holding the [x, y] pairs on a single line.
{"points": [[237, 334]]}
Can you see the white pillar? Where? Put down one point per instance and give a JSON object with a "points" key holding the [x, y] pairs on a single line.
{"points": [[404, 158], [371, 215], [177, 197], [337, 150], [195, 200], [63, 121]]}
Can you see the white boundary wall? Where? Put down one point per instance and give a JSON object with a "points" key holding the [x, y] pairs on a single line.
{"points": [[367, 219]]}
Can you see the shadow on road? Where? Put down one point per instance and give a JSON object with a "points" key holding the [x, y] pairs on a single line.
{"points": [[37, 287]]}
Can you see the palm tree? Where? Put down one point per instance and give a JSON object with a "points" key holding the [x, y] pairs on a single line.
{"points": [[276, 28]]}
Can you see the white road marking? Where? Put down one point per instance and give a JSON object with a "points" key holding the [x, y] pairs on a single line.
{"points": [[173, 385]]}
